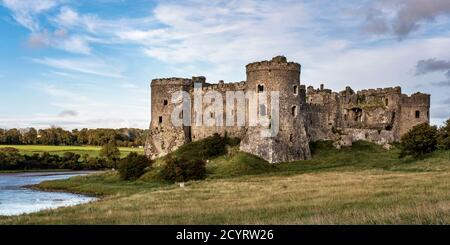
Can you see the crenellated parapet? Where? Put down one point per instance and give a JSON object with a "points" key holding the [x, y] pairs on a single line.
{"points": [[380, 91], [416, 99], [237, 86], [276, 63], [171, 81]]}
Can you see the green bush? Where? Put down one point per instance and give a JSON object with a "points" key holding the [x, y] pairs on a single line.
{"points": [[181, 170], [133, 166], [421, 139], [207, 148], [111, 153], [443, 138]]}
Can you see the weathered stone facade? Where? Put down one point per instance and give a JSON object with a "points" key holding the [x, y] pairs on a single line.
{"points": [[305, 114]]}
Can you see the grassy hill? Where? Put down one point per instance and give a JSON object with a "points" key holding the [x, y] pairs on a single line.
{"points": [[364, 184]]}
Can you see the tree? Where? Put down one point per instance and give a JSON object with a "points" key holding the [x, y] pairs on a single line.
{"points": [[30, 136], [444, 136], [2, 136], [133, 166], [110, 152], [181, 170], [421, 139], [13, 137]]}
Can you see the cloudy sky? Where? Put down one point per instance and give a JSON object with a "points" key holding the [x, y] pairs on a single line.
{"points": [[86, 63]]}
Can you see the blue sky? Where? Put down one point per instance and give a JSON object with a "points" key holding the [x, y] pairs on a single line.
{"points": [[80, 64]]}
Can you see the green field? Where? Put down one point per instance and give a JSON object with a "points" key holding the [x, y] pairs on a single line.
{"points": [[60, 150], [362, 185]]}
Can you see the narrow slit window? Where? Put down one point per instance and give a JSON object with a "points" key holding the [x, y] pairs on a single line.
{"points": [[386, 101], [260, 88], [295, 90], [417, 114], [165, 102], [294, 111], [160, 120]]}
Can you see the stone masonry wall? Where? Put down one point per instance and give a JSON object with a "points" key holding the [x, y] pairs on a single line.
{"points": [[380, 115]]}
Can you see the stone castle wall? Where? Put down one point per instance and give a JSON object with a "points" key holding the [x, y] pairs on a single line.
{"points": [[203, 131], [380, 115]]}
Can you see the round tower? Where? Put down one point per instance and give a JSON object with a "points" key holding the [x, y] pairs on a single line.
{"points": [[165, 137], [291, 142]]}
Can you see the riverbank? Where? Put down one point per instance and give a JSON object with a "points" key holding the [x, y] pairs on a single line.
{"points": [[33, 171], [362, 185], [17, 198]]}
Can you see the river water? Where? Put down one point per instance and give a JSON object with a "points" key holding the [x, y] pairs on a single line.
{"points": [[17, 199]]}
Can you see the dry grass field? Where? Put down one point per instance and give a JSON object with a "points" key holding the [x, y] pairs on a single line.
{"points": [[362, 185]]}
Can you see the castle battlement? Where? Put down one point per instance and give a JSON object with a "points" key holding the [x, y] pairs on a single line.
{"points": [[416, 98], [225, 86], [171, 81], [379, 91], [379, 115]]}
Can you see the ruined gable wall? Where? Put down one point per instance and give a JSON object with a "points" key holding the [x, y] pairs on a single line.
{"points": [[371, 115]]}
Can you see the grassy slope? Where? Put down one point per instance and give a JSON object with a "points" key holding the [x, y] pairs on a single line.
{"points": [[363, 185], [60, 150]]}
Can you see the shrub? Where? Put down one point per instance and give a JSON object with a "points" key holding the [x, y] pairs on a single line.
{"points": [[421, 139], [180, 170], [214, 146], [133, 166], [110, 152], [443, 138], [207, 148]]}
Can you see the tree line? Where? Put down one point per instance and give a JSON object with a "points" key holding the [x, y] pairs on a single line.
{"points": [[125, 137]]}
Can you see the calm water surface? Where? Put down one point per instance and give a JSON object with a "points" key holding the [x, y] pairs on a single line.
{"points": [[16, 199]]}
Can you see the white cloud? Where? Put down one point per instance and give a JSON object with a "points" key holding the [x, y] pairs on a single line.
{"points": [[25, 12], [67, 17], [90, 66]]}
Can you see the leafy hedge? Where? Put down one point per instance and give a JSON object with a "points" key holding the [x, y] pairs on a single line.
{"points": [[11, 160]]}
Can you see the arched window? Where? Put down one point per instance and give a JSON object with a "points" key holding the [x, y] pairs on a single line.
{"points": [[295, 90]]}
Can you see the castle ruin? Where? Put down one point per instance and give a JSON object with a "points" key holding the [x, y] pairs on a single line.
{"points": [[306, 114]]}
